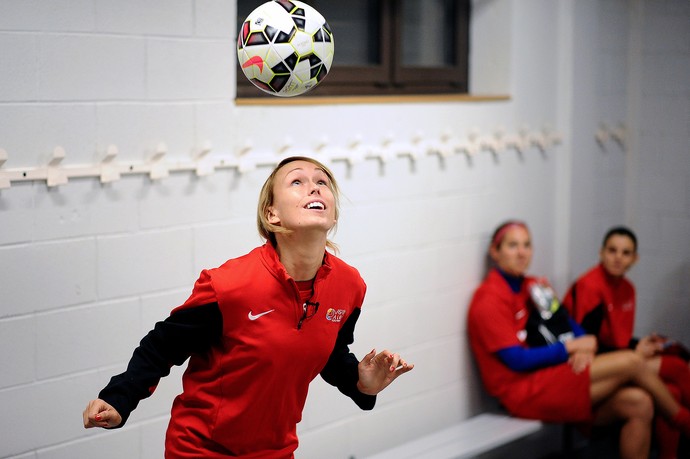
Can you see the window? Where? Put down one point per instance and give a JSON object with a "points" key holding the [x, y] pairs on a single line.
{"points": [[388, 47]]}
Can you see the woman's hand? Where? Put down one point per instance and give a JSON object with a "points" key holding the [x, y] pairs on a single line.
{"points": [[377, 371], [100, 414], [650, 345], [580, 360], [584, 343]]}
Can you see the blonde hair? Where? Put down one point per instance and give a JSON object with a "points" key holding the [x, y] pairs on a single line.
{"points": [[266, 229]]}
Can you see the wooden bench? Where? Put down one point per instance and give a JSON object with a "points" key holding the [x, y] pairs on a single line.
{"points": [[467, 439]]}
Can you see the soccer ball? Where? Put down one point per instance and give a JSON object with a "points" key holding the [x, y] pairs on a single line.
{"points": [[285, 47]]}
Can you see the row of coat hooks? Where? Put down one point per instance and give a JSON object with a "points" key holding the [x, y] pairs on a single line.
{"points": [[54, 173]]}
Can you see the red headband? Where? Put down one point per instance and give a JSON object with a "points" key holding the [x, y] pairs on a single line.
{"points": [[498, 237]]}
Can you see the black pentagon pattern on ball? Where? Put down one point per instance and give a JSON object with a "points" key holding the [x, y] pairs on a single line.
{"points": [[279, 81], [283, 37], [299, 18], [323, 34], [329, 32], [257, 38], [317, 69], [292, 60], [271, 32], [279, 68], [281, 74], [287, 5]]}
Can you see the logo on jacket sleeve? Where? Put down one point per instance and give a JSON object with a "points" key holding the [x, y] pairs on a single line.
{"points": [[335, 315]]}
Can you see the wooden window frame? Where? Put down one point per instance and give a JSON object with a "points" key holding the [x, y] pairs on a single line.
{"points": [[389, 77]]}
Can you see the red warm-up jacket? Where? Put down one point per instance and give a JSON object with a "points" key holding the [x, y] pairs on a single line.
{"points": [[253, 351]]}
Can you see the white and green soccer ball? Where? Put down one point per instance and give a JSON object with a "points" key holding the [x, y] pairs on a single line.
{"points": [[285, 47]]}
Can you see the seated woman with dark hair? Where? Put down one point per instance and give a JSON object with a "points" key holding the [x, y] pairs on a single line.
{"points": [[603, 301]]}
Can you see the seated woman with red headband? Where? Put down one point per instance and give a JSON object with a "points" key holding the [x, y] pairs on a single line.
{"points": [[563, 380]]}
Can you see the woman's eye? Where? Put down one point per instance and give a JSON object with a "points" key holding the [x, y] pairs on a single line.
{"points": [[322, 182], [296, 182]]}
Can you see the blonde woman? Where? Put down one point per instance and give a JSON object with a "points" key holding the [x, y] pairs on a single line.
{"points": [[256, 331]]}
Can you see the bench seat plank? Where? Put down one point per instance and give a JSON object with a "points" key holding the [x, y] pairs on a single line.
{"points": [[466, 439]]}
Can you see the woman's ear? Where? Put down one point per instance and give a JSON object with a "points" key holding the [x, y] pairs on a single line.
{"points": [[493, 253], [272, 217]]}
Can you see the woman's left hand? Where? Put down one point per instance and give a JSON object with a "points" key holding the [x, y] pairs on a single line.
{"points": [[377, 371], [580, 360], [650, 345]]}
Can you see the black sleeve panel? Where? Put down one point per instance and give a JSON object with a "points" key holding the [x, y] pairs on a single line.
{"points": [[591, 322], [341, 369], [171, 342]]}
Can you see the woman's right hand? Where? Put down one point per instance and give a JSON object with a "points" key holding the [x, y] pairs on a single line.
{"points": [[579, 361], [584, 343], [581, 351], [98, 413]]}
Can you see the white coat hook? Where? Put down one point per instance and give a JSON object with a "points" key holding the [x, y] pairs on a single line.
{"points": [[488, 143], [465, 147], [355, 142], [470, 146], [4, 181], [411, 153], [442, 151], [441, 147], [55, 175], [620, 135], [446, 139], [203, 166], [388, 140], [500, 139], [384, 153], [602, 135], [246, 147], [520, 142], [322, 143], [381, 154], [445, 136], [411, 150], [287, 144], [109, 171], [356, 153], [159, 169], [540, 141], [473, 142]]}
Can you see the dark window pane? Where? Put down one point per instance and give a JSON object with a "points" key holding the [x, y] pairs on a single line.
{"points": [[388, 47], [428, 32], [356, 28]]}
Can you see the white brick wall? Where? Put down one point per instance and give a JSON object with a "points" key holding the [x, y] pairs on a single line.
{"points": [[665, 137], [87, 269]]}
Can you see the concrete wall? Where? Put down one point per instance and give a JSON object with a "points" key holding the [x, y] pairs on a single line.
{"points": [[87, 268]]}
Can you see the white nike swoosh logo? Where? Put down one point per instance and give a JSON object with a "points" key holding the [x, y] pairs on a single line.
{"points": [[254, 317]]}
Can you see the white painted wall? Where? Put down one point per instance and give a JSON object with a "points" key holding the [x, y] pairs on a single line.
{"points": [[631, 70], [86, 269]]}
